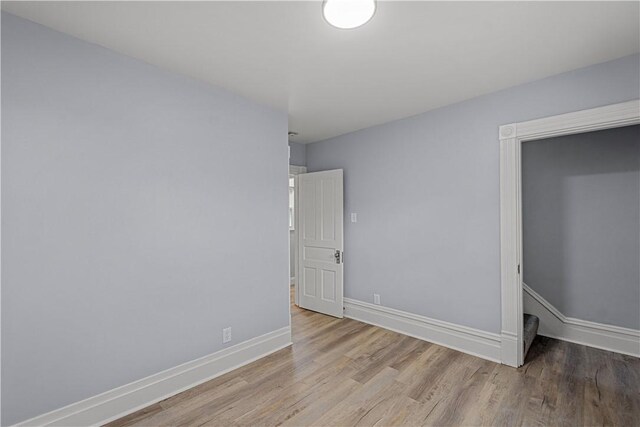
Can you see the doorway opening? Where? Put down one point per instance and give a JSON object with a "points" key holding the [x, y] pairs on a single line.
{"points": [[581, 238], [511, 249], [294, 171]]}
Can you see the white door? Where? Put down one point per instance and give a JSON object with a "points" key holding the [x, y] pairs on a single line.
{"points": [[320, 242]]}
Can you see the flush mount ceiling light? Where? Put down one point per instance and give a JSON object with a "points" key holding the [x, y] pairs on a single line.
{"points": [[347, 14]]}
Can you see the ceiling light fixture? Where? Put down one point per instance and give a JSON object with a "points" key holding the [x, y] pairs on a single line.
{"points": [[347, 14]]}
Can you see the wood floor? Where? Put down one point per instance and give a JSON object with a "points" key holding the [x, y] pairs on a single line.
{"points": [[340, 372]]}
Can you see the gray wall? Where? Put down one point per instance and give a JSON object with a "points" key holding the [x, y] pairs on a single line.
{"points": [[581, 224], [298, 154], [140, 216], [426, 190]]}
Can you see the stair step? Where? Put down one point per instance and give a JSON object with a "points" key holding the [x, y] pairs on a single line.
{"points": [[530, 331]]}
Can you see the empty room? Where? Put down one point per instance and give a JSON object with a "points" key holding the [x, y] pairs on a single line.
{"points": [[320, 213]]}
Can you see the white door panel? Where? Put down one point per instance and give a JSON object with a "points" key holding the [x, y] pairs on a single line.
{"points": [[320, 241]]}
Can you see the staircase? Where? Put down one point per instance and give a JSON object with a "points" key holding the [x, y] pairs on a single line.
{"points": [[530, 331]]}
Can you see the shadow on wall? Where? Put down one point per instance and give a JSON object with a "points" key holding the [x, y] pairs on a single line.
{"points": [[581, 224]]}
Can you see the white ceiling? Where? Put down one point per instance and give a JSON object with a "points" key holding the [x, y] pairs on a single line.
{"points": [[410, 58]]}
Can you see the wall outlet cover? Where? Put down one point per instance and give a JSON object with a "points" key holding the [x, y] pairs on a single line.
{"points": [[226, 335]]}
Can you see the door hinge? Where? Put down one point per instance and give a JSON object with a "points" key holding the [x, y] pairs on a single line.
{"points": [[518, 268]]}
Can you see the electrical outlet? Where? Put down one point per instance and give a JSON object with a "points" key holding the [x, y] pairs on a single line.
{"points": [[226, 335], [376, 299], [354, 217]]}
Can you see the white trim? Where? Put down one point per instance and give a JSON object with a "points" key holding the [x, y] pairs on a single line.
{"points": [[295, 170], [511, 138], [462, 338], [607, 117], [292, 281], [510, 250], [554, 324], [121, 401]]}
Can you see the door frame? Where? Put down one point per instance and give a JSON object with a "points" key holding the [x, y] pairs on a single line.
{"points": [[511, 266], [295, 171]]}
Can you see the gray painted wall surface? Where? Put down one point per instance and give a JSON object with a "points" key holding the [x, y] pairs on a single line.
{"points": [[298, 154], [581, 224], [426, 190], [130, 237]]}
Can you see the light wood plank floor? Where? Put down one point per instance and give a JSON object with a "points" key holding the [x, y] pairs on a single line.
{"points": [[340, 372]]}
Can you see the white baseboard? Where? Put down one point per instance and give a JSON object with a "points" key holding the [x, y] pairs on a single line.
{"points": [[467, 340], [554, 324], [509, 350], [121, 401]]}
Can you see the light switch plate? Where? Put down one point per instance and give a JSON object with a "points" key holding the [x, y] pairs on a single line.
{"points": [[226, 335]]}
